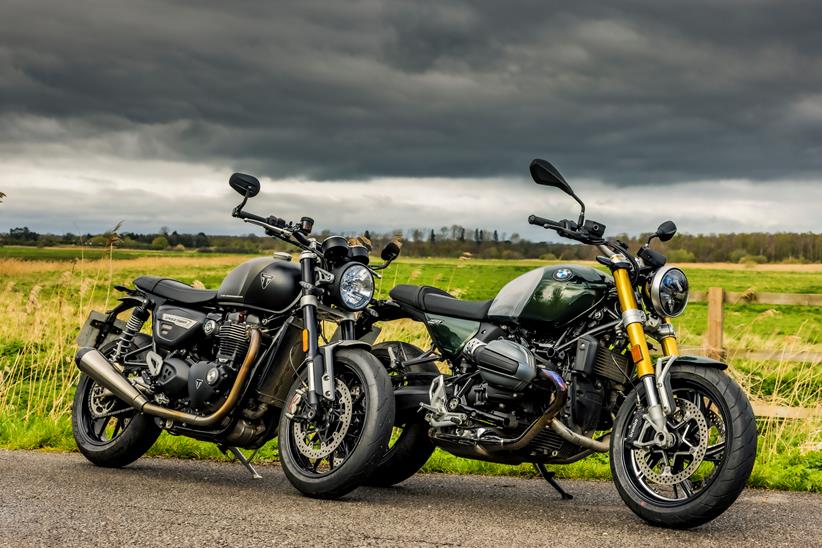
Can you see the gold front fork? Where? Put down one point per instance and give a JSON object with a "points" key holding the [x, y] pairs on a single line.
{"points": [[636, 331], [669, 345]]}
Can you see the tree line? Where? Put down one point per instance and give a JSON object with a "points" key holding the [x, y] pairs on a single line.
{"points": [[458, 241]]}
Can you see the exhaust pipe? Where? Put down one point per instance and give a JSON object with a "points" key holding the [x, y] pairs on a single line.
{"points": [[600, 446], [513, 444], [91, 362]]}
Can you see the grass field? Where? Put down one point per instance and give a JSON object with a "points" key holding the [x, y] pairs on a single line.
{"points": [[45, 295]]}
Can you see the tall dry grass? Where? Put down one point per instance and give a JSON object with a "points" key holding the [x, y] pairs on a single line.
{"points": [[43, 305]]}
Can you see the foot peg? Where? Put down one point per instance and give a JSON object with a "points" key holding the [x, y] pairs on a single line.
{"points": [[549, 477], [243, 460]]}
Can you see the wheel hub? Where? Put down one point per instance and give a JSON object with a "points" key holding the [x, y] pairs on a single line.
{"points": [[100, 404], [692, 425]]}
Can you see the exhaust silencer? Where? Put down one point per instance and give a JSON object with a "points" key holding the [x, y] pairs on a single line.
{"points": [[91, 362]]}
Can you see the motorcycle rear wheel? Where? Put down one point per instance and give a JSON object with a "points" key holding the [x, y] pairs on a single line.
{"points": [[695, 481], [411, 447], [332, 454], [108, 432]]}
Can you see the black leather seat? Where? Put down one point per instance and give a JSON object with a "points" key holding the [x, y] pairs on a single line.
{"points": [[436, 301], [174, 290]]}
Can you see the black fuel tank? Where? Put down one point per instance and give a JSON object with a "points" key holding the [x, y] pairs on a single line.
{"points": [[270, 284]]}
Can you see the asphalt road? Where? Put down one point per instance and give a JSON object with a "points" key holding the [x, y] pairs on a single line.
{"points": [[61, 500]]}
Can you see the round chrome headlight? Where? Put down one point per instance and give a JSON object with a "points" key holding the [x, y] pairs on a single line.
{"points": [[354, 286], [669, 291]]}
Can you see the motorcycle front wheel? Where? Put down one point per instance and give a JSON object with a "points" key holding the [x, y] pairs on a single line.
{"points": [[332, 451], [704, 472]]}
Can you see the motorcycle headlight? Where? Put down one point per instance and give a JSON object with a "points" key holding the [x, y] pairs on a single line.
{"points": [[669, 291], [354, 286]]}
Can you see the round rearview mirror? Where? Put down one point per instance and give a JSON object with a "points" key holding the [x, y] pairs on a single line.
{"points": [[666, 231], [391, 251], [245, 185]]}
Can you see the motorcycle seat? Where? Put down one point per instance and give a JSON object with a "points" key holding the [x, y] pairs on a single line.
{"points": [[436, 301], [174, 290]]}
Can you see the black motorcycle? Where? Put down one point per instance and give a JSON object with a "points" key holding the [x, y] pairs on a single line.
{"points": [[558, 366], [242, 364]]}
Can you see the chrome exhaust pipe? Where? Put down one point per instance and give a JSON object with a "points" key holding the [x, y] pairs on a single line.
{"points": [[91, 362]]}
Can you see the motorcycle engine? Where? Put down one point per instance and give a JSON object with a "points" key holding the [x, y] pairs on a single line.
{"points": [[202, 383]]}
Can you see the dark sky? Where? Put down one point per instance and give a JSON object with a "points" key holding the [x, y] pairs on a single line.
{"points": [[140, 111]]}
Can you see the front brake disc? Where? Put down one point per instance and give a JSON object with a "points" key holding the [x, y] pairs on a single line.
{"points": [[309, 443], [690, 415]]}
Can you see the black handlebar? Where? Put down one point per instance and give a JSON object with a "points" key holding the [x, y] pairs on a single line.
{"points": [[542, 221]]}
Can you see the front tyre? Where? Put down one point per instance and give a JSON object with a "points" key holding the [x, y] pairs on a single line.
{"points": [[703, 473], [335, 451]]}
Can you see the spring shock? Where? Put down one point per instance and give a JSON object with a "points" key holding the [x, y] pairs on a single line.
{"points": [[139, 315]]}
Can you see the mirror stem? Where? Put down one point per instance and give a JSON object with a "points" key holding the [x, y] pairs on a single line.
{"points": [[582, 209], [240, 207]]}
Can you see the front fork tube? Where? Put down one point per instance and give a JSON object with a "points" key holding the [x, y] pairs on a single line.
{"points": [[633, 319], [309, 305]]}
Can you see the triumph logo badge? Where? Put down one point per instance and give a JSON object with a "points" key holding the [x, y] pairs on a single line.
{"points": [[563, 274], [198, 383], [266, 279]]}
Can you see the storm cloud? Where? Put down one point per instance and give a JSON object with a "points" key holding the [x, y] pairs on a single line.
{"points": [[617, 93]]}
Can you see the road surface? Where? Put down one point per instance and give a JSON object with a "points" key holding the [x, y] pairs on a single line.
{"points": [[51, 499]]}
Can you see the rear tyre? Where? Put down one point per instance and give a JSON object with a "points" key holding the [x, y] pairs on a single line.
{"points": [[410, 447], [336, 451], [699, 477], [108, 432]]}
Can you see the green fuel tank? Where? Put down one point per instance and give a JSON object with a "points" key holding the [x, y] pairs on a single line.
{"points": [[549, 296]]}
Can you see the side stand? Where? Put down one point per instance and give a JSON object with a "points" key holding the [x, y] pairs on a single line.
{"points": [[549, 477], [242, 458]]}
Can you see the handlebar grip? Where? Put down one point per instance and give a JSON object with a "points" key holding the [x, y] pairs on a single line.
{"points": [[541, 221], [246, 215]]}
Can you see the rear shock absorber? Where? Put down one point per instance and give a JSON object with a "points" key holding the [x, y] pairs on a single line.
{"points": [[139, 315]]}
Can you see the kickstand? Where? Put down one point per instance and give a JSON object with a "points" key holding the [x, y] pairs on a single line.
{"points": [[242, 458], [549, 477]]}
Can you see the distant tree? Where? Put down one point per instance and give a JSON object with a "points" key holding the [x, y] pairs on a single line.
{"points": [[433, 237], [462, 234], [2, 195], [160, 242], [201, 240], [496, 236], [23, 235]]}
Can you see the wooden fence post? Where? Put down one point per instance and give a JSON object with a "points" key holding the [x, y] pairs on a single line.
{"points": [[714, 347]]}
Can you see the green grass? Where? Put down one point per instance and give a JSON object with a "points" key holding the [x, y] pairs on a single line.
{"points": [[72, 253], [45, 298]]}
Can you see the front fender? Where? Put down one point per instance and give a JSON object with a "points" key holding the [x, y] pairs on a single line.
{"points": [[348, 344], [699, 360]]}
